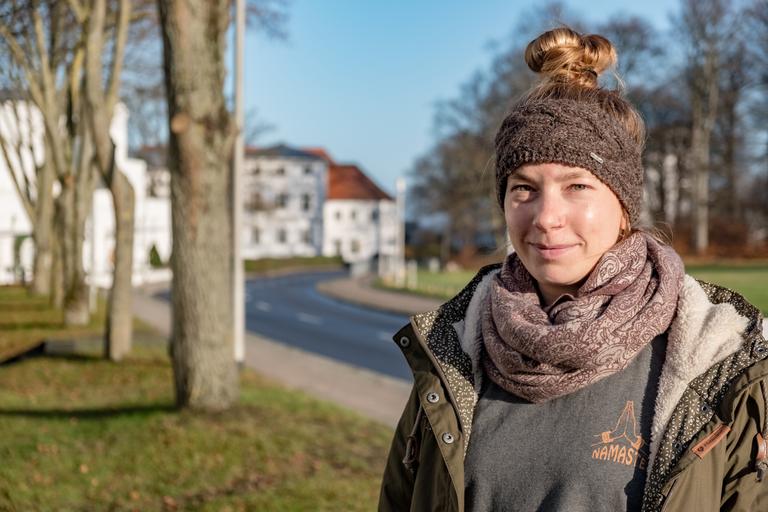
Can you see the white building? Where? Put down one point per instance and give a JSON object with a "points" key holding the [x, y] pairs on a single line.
{"points": [[152, 214], [284, 192], [360, 219], [18, 124], [299, 202]]}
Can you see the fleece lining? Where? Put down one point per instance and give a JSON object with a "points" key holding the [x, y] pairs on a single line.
{"points": [[702, 334]]}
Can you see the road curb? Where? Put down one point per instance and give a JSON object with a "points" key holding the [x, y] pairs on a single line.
{"points": [[371, 394], [358, 292]]}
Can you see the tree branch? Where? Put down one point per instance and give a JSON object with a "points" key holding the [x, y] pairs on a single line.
{"points": [[121, 36], [21, 59], [77, 10]]}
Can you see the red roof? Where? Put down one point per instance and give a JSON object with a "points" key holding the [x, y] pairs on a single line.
{"points": [[349, 182]]}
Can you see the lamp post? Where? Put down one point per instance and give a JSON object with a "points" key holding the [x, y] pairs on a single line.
{"points": [[238, 287]]}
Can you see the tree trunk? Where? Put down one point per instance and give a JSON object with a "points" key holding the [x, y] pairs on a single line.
{"points": [[76, 310], [74, 205], [57, 268], [120, 315], [730, 147], [670, 179], [43, 233], [704, 109], [200, 145]]}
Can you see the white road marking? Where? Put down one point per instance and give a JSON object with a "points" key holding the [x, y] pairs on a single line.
{"points": [[309, 319], [263, 306]]}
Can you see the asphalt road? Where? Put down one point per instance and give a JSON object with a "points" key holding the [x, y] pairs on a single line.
{"points": [[289, 310]]}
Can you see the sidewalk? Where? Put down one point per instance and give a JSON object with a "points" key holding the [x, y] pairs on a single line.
{"points": [[371, 394], [359, 291]]}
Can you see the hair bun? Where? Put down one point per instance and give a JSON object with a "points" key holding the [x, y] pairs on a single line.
{"points": [[564, 55]]}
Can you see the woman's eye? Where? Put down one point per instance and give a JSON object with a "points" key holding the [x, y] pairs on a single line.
{"points": [[519, 188]]}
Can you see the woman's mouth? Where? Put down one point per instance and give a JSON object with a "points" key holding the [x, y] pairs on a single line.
{"points": [[551, 252]]}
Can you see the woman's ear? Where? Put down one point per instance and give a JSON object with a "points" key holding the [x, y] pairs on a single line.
{"points": [[625, 226]]}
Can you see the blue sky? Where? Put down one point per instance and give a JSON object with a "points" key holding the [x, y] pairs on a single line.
{"points": [[361, 78]]}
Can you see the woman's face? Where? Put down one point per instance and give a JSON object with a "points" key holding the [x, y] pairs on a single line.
{"points": [[560, 220]]}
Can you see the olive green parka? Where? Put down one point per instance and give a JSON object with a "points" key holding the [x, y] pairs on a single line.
{"points": [[707, 448]]}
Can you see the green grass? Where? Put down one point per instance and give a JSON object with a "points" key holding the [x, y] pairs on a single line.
{"points": [[437, 285], [749, 278], [271, 264], [84, 434], [25, 321]]}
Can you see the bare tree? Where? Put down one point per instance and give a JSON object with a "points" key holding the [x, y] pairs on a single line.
{"points": [[39, 38], [704, 27], [101, 96], [729, 125]]}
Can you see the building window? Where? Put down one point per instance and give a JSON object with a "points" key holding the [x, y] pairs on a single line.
{"points": [[255, 235], [254, 203], [307, 237], [256, 170], [375, 215], [308, 170], [282, 200], [305, 202], [282, 236], [280, 171], [352, 214], [354, 247], [337, 247], [338, 215]]}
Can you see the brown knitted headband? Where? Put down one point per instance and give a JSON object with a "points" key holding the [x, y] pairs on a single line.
{"points": [[574, 133]]}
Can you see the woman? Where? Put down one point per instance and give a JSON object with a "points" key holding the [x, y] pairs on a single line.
{"points": [[587, 372]]}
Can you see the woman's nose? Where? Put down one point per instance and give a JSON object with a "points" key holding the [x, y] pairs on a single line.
{"points": [[549, 212]]}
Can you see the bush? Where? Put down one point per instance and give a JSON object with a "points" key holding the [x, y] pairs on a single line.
{"points": [[155, 261]]}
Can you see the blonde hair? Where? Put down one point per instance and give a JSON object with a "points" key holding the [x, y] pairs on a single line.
{"points": [[570, 65]]}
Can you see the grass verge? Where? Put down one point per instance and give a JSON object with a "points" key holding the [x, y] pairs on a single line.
{"points": [[26, 321], [83, 433], [273, 264]]}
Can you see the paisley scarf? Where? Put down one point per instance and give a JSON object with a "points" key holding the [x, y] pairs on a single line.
{"points": [[540, 353]]}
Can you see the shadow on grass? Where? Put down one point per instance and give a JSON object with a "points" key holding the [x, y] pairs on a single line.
{"points": [[15, 307], [67, 352], [19, 326], [89, 414]]}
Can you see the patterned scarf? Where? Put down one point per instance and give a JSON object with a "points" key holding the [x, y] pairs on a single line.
{"points": [[539, 353]]}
